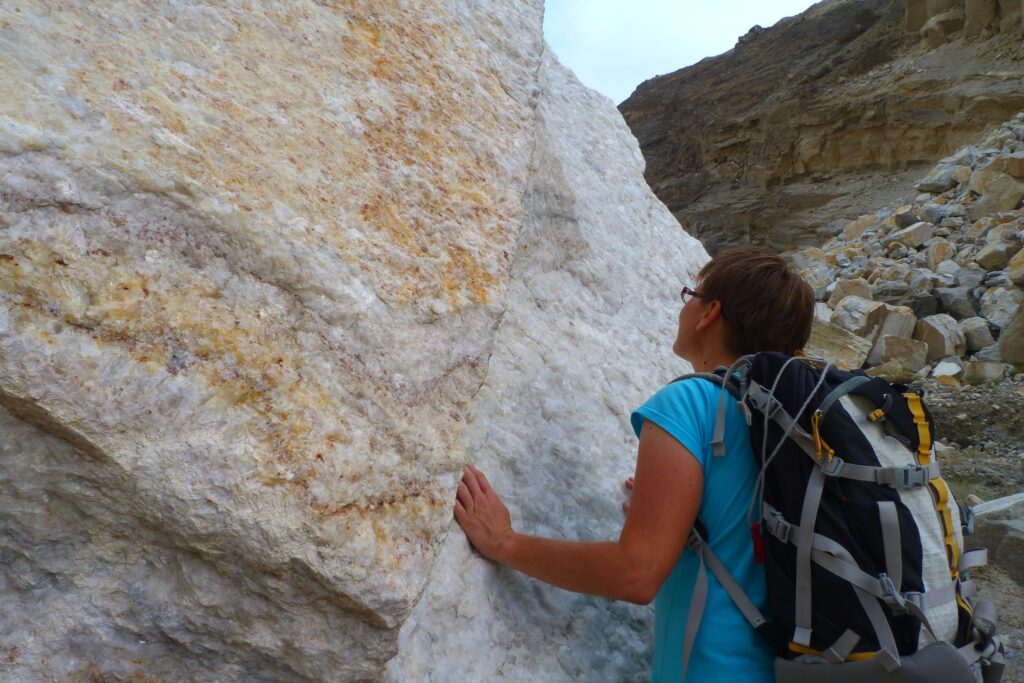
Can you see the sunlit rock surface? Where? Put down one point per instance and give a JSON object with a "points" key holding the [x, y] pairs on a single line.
{"points": [[268, 275]]}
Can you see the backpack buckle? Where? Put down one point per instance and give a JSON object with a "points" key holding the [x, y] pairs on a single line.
{"points": [[891, 596], [777, 525], [911, 477], [832, 467]]}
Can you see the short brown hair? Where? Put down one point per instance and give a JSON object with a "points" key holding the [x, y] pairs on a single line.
{"points": [[765, 305]]}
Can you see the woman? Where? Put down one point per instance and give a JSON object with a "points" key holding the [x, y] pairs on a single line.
{"points": [[746, 300]]}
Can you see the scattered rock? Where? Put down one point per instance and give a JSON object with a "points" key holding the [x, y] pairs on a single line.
{"points": [[998, 304], [995, 256], [956, 301], [948, 367], [983, 372], [1003, 193], [976, 333], [858, 287], [863, 317], [908, 353], [913, 236], [942, 335], [899, 322], [833, 343], [1011, 339]]}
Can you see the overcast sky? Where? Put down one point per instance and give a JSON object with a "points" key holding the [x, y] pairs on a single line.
{"points": [[614, 45]]}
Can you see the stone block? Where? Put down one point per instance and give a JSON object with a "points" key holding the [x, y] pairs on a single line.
{"points": [[924, 304], [1003, 193], [912, 236], [999, 304], [970, 276], [1002, 532], [915, 14], [1011, 339], [822, 311], [939, 251], [936, 7], [948, 367], [992, 354], [863, 317], [921, 280], [1008, 231], [942, 335], [983, 372], [895, 292], [909, 353], [1011, 164], [941, 28], [980, 14], [976, 333], [1015, 269], [858, 287], [956, 301], [996, 256], [899, 322], [855, 228], [843, 348]]}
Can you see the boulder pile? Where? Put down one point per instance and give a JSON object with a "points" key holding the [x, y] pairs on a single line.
{"points": [[933, 287]]}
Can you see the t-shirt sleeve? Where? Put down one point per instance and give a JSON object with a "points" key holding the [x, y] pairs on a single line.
{"points": [[683, 410]]}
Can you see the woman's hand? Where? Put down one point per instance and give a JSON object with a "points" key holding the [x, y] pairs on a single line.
{"points": [[482, 515]]}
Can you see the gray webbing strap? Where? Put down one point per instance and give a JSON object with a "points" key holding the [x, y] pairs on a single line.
{"points": [[732, 587], [923, 618], [840, 391], [973, 558], [836, 559], [709, 560], [891, 542], [718, 436], [804, 544], [888, 656], [842, 648], [934, 597], [968, 591], [697, 601]]}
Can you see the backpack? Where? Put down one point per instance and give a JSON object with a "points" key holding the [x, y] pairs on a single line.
{"points": [[862, 540]]}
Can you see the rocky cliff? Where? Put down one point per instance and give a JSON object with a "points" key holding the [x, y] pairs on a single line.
{"points": [[826, 115], [268, 276]]}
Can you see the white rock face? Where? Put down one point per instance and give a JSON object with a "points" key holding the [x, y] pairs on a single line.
{"points": [[268, 275], [591, 319]]}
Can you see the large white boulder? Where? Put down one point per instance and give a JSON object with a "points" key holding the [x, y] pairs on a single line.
{"points": [[592, 313], [269, 274]]}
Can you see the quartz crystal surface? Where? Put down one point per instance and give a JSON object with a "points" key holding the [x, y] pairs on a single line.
{"points": [[269, 274]]}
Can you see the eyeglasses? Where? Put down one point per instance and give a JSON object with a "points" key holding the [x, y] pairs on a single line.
{"points": [[687, 293]]}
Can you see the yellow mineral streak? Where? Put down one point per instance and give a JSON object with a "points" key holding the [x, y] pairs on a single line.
{"points": [[371, 139], [369, 125]]}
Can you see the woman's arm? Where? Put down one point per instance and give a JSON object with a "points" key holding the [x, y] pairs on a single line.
{"points": [[666, 497]]}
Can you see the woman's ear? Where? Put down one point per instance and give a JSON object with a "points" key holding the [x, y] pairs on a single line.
{"points": [[711, 312]]}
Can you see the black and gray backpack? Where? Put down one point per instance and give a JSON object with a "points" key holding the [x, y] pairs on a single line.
{"points": [[862, 541]]}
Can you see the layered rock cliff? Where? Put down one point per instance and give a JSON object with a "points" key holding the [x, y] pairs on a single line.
{"points": [[827, 115], [268, 276]]}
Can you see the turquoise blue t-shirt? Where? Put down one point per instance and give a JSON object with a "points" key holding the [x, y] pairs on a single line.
{"points": [[727, 649]]}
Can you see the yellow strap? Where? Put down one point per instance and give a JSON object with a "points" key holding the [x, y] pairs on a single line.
{"points": [[852, 657], [877, 415], [940, 491], [924, 434]]}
